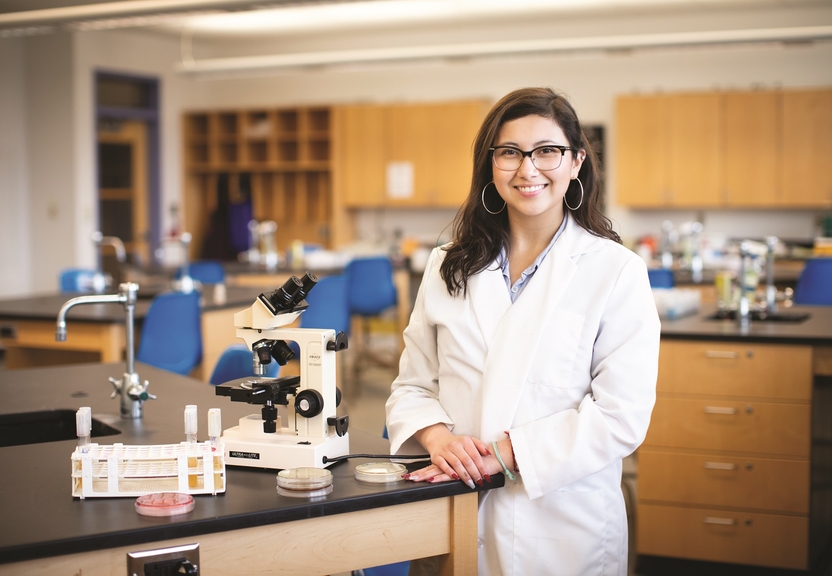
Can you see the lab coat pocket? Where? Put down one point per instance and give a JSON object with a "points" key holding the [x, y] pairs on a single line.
{"points": [[554, 360], [565, 531]]}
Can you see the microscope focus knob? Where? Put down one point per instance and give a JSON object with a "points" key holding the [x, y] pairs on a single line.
{"points": [[309, 403]]}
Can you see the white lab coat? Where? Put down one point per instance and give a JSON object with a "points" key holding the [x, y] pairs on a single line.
{"points": [[569, 369]]}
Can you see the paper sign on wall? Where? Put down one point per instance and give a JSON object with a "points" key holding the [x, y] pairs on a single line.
{"points": [[400, 180]]}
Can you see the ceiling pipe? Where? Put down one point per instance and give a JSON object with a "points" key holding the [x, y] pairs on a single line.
{"points": [[585, 44]]}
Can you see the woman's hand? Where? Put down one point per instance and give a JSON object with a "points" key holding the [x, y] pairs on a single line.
{"points": [[454, 457]]}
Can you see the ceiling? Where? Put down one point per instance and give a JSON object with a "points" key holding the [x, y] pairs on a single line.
{"points": [[263, 17]]}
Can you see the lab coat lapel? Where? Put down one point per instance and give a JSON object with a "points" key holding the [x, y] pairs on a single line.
{"points": [[520, 332], [490, 299]]}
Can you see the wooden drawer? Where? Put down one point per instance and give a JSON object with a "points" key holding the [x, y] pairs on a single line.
{"points": [[729, 425], [736, 369], [720, 481], [723, 536]]}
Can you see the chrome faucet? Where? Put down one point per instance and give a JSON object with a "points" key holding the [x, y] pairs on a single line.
{"points": [[130, 388], [771, 290], [744, 311], [101, 281]]}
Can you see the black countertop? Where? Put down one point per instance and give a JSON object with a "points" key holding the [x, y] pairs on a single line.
{"points": [[47, 306], [816, 330], [41, 518]]}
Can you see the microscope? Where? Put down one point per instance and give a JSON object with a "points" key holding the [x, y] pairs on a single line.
{"points": [[297, 425]]}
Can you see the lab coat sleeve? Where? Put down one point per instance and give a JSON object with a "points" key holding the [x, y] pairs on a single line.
{"points": [[414, 400], [612, 419]]}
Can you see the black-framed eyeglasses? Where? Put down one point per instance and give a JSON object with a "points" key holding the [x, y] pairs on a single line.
{"points": [[547, 157]]}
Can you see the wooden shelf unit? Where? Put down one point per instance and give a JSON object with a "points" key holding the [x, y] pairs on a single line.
{"points": [[282, 156]]}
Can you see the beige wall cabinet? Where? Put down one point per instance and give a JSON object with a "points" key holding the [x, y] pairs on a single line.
{"points": [[282, 156], [724, 473], [761, 149], [434, 140]]}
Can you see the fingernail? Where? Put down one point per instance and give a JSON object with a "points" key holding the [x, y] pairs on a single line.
{"points": [[454, 475], [406, 476], [487, 478], [479, 482], [430, 480], [487, 451], [470, 484]]}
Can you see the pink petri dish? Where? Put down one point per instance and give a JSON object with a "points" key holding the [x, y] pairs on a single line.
{"points": [[164, 504]]}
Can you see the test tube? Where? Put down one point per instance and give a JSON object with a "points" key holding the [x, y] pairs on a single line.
{"points": [[214, 431], [190, 439], [83, 428]]}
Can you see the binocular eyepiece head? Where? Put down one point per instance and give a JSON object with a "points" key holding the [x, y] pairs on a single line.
{"points": [[292, 293]]}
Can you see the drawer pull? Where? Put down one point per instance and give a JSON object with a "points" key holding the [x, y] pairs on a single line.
{"points": [[720, 521], [721, 354], [719, 410], [720, 466]]}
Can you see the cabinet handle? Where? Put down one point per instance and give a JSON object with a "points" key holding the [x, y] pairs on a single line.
{"points": [[721, 354], [719, 410], [720, 466], [720, 521]]}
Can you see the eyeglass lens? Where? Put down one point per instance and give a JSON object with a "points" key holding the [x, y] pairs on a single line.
{"points": [[543, 158]]}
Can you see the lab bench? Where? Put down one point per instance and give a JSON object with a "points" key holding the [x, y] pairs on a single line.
{"points": [[736, 466], [249, 529]]}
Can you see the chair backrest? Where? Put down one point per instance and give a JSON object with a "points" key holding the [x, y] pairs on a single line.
{"points": [[814, 286], [172, 333], [370, 288], [76, 280], [660, 278], [328, 305], [236, 362], [205, 271]]}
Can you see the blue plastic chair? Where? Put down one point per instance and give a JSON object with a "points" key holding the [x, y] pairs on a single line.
{"points": [[814, 286], [172, 333], [75, 280], [660, 278], [235, 362], [204, 271], [370, 288], [328, 305], [397, 569]]}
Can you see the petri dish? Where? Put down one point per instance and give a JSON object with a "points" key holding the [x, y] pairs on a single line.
{"points": [[164, 504], [304, 482], [379, 472]]}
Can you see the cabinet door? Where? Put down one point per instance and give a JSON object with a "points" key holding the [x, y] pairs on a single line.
{"points": [[454, 128], [694, 150], [641, 151], [360, 155], [807, 147], [750, 148], [409, 132]]}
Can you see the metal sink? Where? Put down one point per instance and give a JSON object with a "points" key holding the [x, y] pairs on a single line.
{"points": [[45, 426], [758, 316]]}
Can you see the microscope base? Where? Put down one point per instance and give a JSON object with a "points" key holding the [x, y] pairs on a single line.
{"points": [[281, 450]]}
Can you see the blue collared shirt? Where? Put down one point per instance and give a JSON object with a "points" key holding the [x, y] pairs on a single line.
{"points": [[515, 291]]}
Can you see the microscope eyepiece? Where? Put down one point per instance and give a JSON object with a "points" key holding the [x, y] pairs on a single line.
{"points": [[283, 297], [307, 283]]}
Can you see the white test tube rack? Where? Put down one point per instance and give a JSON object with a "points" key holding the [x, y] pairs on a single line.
{"points": [[118, 470]]}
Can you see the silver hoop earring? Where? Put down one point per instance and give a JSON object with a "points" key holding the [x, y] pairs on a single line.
{"points": [[582, 197], [483, 201]]}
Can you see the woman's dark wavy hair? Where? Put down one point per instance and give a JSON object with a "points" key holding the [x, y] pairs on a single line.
{"points": [[477, 235]]}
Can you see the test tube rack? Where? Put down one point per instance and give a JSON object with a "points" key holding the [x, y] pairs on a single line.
{"points": [[117, 470]]}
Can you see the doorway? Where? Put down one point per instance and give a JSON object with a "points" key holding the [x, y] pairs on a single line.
{"points": [[127, 146]]}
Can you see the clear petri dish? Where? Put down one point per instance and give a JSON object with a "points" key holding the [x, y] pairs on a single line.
{"points": [[304, 482], [379, 472], [164, 504]]}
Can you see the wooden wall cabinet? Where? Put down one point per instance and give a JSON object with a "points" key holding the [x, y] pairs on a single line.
{"points": [[282, 157], [761, 149], [435, 139], [725, 472]]}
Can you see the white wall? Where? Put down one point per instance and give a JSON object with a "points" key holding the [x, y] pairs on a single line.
{"points": [[14, 215]]}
